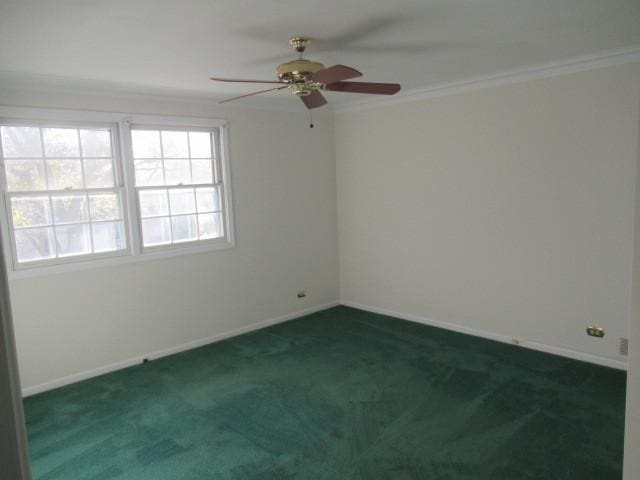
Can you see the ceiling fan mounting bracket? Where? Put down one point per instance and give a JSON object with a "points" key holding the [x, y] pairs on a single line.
{"points": [[299, 43]]}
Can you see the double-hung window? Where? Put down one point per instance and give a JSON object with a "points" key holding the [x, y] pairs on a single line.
{"points": [[83, 187], [178, 184], [62, 192]]}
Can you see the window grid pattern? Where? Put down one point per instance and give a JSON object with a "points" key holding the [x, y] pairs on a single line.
{"points": [[179, 197], [61, 191]]}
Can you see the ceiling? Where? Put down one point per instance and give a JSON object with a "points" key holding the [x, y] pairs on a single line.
{"points": [[173, 46]]}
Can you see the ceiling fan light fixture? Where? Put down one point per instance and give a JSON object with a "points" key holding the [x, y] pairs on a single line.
{"points": [[302, 89]]}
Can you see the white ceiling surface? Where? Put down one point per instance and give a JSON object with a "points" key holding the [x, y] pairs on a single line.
{"points": [[174, 46]]}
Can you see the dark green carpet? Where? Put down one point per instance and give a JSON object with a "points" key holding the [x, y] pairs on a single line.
{"points": [[341, 394]]}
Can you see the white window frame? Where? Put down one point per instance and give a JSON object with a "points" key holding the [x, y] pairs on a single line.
{"points": [[125, 182]]}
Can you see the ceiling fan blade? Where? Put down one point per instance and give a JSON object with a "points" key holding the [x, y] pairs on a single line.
{"points": [[335, 74], [364, 87], [251, 94], [314, 100], [239, 80]]}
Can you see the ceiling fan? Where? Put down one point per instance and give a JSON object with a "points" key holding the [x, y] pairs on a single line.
{"points": [[306, 78]]}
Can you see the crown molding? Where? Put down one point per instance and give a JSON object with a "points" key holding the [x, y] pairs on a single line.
{"points": [[49, 83], [62, 85], [573, 65]]}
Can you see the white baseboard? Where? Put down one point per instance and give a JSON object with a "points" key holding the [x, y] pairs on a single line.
{"points": [[564, 352], [76, 377]]}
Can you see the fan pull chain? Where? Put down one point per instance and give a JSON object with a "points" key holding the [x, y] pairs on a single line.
{"points": [[310, 119]]}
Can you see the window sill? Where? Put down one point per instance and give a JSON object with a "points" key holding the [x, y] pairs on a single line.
{"points": [[124, 258]]}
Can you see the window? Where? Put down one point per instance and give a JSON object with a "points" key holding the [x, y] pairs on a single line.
{"points": [[178, 186], [61, 191], [92, 186]]}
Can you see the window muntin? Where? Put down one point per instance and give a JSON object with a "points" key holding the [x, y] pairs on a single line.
{"points": [[61, 191], [178, 185], [101, 169]]}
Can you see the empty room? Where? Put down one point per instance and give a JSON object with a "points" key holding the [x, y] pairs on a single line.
{"points": [[251, 240]]}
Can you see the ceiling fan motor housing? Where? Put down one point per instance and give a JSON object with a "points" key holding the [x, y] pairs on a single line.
{"points": [[298, 70]]}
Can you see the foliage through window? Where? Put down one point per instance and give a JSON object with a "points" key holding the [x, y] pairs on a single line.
{"points": [[90, 189], [61, 191]]}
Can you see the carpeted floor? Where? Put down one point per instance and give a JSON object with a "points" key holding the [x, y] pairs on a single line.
{"points": [[341, 394]]}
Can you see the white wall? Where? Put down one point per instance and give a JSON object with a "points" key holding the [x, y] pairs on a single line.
{"points": [[632, 429], [283, 178], [507, 210]]}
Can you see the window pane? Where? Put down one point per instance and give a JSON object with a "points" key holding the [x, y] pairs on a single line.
{"points": [[104, 206], [69, 208], [175, 145], [95, 143], [185, 228], [21, 142], [25, 175], [149, 172], [64, 174], [146, 143], [34, 244], [73, 240], [57, 224], [208, 199], [30, 211], [200, 144], [182, 200], [153, 203], [183, 214], [210, 225], [108, 236], [61, 142], [98, 172], [156, 231], [177, 172], [202, 171]]}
